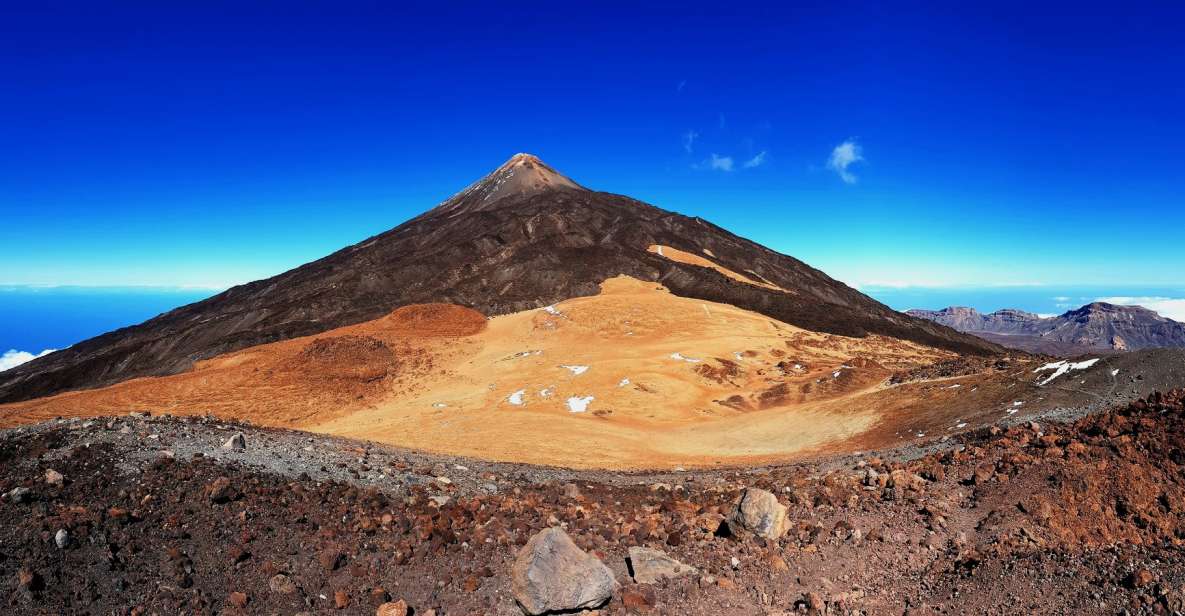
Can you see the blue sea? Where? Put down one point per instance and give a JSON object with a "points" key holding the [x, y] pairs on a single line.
{"points": [[33, 319]]}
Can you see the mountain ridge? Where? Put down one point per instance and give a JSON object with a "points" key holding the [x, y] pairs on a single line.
{"points": [[556, 242], [1091, 327]]}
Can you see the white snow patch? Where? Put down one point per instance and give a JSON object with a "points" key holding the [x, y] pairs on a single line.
{"points": [[516, 398], [1114, 372], [961, 425], [579, 404], [552, 310], [1061, 367], [576, 370], [1018, 403], [623, 382], [660, 252], [681, 357], [439, 405], [835, 375], [738, 356], [546, 393], [955, 386]]}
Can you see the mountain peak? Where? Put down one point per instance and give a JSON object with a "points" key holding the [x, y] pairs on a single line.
{"points": [[523, 175]]}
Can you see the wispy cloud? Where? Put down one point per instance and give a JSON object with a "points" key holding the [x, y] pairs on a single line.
{"points": [[1173, 308], [756, 161], [689, 138], [921, 283], [719, 163], [13, 358], [679, 88], [843, 156]]}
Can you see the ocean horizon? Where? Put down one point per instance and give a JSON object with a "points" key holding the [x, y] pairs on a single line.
{"points": [[34, 319]]}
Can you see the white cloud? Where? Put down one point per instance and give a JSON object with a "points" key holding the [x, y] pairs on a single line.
{"points": [[719, 163], [756, 161], [843, 156], [922, 283], [689, 138], [13, 358], [1172, 308]]}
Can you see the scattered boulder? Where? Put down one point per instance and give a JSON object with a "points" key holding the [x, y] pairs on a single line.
{"points": [[238, 441], [62, 538], [29, 580], [552, 574], [638, 599], [1139, 579], [648, 565], [760, 513], [331, 559], [19, 495], [281, 584], [813, 603], [221, 490], [398, 608], [54, 478]]}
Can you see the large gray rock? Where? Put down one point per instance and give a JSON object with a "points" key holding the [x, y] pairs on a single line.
{"points": [[649, 565], [760, 513], [551, 574], [238, 441]]}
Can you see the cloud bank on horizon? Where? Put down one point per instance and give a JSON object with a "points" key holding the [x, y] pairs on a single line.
{"points": [[1168, 307], [13, 358]]}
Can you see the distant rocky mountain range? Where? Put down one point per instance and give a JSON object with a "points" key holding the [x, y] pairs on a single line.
{"points": [[1091, 328]]}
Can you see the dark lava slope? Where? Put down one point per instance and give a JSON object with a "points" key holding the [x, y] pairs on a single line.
{"points": [[522, 237]]}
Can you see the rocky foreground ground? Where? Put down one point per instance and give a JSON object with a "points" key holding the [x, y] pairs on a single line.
{"points": [[158, 515]]}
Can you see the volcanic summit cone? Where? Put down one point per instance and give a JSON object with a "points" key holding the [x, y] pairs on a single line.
{"points": [[522, 237]]}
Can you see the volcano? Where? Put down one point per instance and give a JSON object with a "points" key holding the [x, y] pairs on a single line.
{"points": [[522, 237]]}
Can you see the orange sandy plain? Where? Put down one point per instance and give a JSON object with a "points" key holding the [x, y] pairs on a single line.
{"points": [[634, 377]]}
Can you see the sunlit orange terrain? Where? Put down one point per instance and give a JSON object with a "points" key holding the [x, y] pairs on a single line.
{"points": [[634, 377]]}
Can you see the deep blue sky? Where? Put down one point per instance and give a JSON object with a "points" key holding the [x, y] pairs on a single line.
{"points": [[215, 144]]}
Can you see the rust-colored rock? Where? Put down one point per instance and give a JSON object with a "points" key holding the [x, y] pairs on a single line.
{"points": [[397, 608]]}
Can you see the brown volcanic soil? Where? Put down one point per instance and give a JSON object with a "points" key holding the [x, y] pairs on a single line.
{"points": [[1083, 518]]}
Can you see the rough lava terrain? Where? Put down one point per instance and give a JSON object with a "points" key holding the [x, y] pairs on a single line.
{"points": [[162, 515]]}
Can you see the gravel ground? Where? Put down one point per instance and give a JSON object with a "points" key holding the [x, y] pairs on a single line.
{"points": [[153, 516]]}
